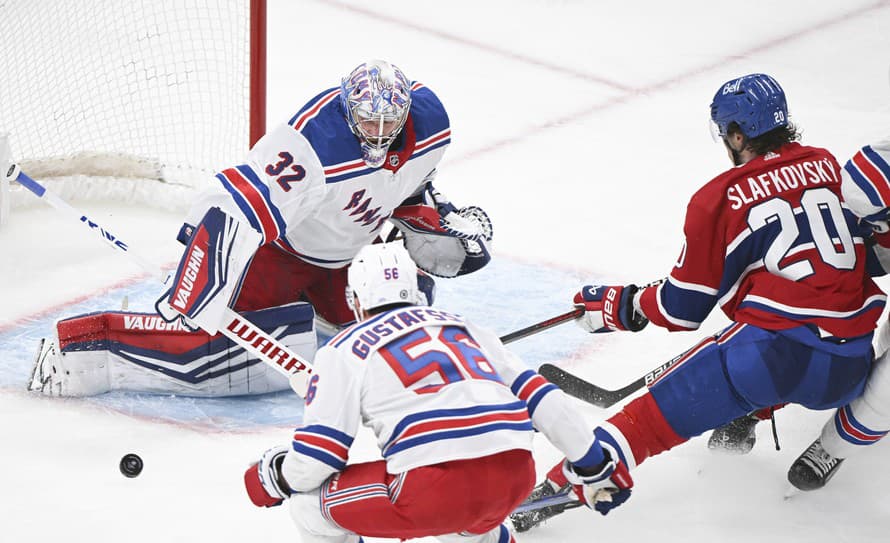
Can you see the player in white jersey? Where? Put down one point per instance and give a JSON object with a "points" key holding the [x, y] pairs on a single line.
{"points": [[453, 411], [276, 232], [865, 420]]}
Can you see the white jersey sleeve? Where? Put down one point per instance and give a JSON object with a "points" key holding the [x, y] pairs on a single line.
{"points": [[278, 186], [865, 186], [320, 447], [866, 182], [550, 408]]}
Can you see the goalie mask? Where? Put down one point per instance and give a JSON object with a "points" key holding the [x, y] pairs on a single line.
{"points": [[376, 97], [382, 274]]}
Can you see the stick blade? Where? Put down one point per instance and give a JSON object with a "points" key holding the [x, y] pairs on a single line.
{"points": [[579, 388]]}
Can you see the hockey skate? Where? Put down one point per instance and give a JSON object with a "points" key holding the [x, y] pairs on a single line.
{"points": [[54, 374], [523, 522], [813, 468], [735, 437]]}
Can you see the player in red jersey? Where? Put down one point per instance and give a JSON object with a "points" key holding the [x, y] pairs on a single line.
{"points": [[771, 242]]}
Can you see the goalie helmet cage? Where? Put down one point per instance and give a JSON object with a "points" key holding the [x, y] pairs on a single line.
{"points": [[105, 95]]}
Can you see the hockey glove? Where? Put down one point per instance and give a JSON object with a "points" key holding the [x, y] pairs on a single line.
{"points": [[211, 268], [265, 485], [603, 488], [609, 308], [445, 241]]}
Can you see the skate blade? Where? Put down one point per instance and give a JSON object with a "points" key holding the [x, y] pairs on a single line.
{"points": [[790, 492], [36, 381]]}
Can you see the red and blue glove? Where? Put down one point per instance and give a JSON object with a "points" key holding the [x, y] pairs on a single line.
{"points": [[265, 485], [602, 488], [609, 308]]}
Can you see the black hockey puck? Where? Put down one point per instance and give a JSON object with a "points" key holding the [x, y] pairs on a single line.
{"points": [[131, 465]]}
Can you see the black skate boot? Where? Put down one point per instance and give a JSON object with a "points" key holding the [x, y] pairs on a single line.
{"points": [[736, 437], [813, 468], [523, 522]]}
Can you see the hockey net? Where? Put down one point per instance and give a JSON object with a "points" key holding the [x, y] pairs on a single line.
{"points": [[130, 100]]}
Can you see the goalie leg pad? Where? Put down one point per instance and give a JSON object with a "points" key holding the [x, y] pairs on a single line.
{"points": [[142, 352]]}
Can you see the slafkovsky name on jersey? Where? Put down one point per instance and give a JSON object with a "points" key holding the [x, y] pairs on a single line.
{"points": [[788, 177]]}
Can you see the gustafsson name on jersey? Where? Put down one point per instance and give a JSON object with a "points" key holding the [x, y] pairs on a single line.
{"points": [[782, 179], [398, 322]]}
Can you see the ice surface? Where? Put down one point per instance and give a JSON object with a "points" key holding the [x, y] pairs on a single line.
{"points": [[581, 127]]}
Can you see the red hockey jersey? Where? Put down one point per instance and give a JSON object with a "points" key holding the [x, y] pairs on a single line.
{"points": [[773, 243]]}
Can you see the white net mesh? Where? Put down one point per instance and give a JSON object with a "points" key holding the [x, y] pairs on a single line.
{"points": [[126, 88]]}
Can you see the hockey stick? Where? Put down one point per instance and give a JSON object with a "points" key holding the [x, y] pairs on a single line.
{"points": [[235, 327], [598, 396], [543, 325], [601, 397], [566, 496]]}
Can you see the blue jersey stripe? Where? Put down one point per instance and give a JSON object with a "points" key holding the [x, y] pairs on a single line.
{"points": [[327, 431], [320, 455], [261, 187], [524, 426], [241, 202], [864, 184]]}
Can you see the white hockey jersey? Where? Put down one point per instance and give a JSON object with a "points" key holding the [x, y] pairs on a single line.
{"points": [[865, 185], [866, 182], [433, 388], [306, 189]]}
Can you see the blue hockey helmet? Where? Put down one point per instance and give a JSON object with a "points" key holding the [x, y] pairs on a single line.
{"points": [[376, 97], [755, 102]]}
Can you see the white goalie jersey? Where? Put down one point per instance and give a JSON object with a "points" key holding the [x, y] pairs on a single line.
{"points": [[433, 388]]}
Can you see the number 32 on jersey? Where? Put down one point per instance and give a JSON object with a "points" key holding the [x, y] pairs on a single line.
{"points": [[425, 364]]}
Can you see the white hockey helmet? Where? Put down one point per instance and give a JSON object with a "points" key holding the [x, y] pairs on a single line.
{"points": [[382, 274], [376, 97]]}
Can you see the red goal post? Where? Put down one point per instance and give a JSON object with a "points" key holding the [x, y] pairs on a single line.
{"points": [[106, 95]]}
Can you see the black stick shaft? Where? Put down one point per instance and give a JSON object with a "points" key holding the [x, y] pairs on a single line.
{"points": [[543, 325]]}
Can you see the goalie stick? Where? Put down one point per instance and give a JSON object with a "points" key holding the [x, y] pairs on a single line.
{"points": [[237, 328]]}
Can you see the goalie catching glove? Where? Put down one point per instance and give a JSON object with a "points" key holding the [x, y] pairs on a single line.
{"points": [[443, 240], [609, 308]]}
